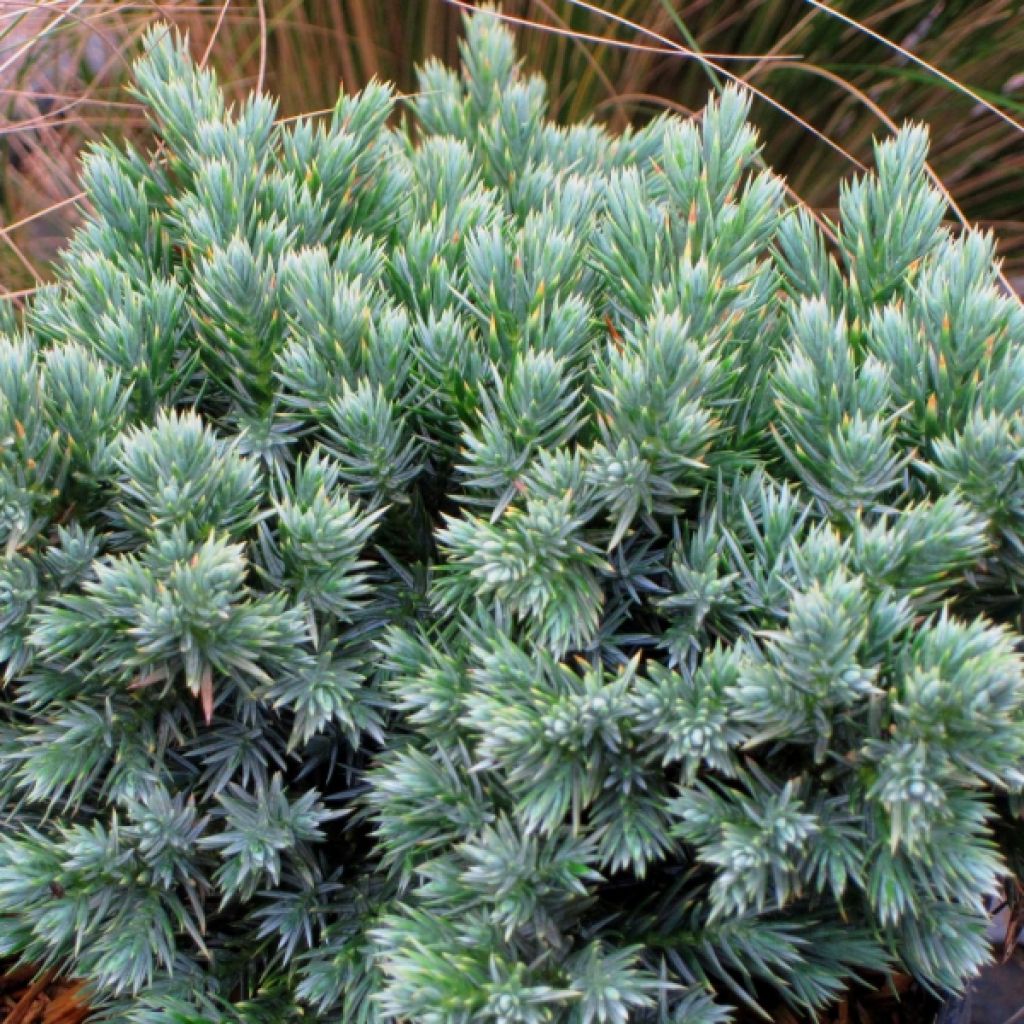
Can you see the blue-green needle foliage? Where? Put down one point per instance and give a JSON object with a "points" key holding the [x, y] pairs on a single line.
{"points": [[461, 570]]}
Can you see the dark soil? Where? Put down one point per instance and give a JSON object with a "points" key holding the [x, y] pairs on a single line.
{"points": [[894, 1000], [996, 997]]}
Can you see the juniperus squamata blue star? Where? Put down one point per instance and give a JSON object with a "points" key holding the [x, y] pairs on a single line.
{"points": [[458, 569]]}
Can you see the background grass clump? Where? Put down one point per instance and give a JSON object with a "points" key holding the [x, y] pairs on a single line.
{"points": [[465, 569], [829, 77]]}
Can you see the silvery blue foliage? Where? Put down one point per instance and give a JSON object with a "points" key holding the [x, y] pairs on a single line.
{"points": [[461, 569]]}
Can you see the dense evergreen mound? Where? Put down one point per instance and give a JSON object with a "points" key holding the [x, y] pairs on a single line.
{"points": [[478, 571]]}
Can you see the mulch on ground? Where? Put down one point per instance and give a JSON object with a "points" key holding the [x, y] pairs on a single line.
{"points": [[27, 997]]}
